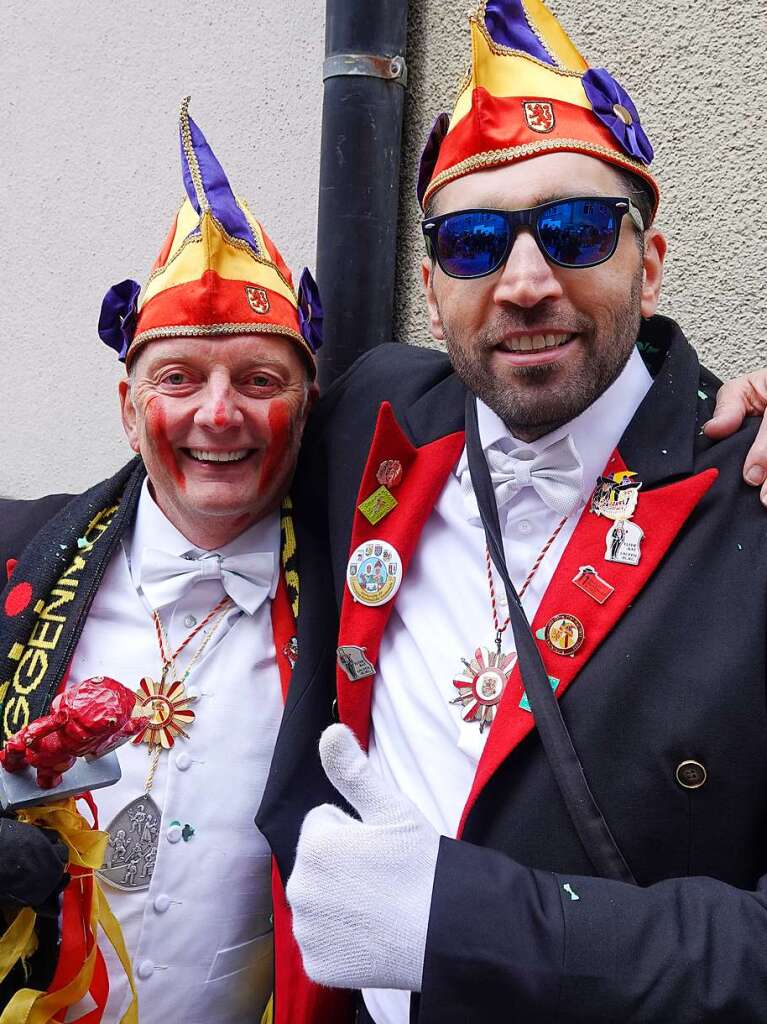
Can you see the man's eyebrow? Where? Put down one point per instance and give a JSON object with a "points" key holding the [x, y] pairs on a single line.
{"points": [[501, 201]]}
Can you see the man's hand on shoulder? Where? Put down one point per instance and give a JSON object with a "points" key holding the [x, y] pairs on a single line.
{"points": [[744, 396]]}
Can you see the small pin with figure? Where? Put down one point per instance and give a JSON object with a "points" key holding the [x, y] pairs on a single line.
{"points": [[569, 890]]}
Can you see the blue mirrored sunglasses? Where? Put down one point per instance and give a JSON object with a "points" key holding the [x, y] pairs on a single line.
{"points": [[577, 232]]}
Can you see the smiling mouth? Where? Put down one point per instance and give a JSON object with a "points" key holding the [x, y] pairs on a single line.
{"points": [[535, 342], [206, 456]]}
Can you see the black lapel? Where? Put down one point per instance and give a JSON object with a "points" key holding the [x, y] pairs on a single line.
{"points": [[45, 602]]}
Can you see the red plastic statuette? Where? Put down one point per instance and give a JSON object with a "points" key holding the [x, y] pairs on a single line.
{"points": [[87, 720]]}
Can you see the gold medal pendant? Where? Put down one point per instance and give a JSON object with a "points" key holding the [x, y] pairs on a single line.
{"points": [[481, 686], [168, 705]]}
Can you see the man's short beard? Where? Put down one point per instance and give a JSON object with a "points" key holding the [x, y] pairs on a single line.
{"points": [[533, 410]]}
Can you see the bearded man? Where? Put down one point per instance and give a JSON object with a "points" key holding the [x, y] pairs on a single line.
{"points": [[563, 821], [178, 578]]}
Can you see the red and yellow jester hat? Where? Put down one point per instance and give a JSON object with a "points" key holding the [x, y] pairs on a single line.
{"points": [[218, 272], [530, 92]]}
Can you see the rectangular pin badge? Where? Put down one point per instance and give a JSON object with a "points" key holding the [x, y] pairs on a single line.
{"points": [[590, 582], [377, 505]]}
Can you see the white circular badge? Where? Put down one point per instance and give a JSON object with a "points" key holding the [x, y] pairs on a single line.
{"points": [[374, 573]]}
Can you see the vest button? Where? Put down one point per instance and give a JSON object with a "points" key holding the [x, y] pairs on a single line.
{"points": [[690, 774], [145, 969], [161, 903]]}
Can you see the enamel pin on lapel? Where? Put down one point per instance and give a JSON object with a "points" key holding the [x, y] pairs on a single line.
{"points": [[377, 505], [564, 634], [590, 582], [374, 573], [615, 497], [354, 662], [389, 473]]}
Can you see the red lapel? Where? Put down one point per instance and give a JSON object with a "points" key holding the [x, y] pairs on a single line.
{"points": [[424, 471], [660, 513], [284, 630]]}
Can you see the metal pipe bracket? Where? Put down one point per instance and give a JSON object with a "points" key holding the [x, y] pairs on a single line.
{"points": [[393, 69]]}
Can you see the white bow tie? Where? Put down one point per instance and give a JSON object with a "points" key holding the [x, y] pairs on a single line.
{"points": [[555, 474], [247, 579]]}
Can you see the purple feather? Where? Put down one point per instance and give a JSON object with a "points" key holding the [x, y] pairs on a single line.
{"points": [[430, 154]]}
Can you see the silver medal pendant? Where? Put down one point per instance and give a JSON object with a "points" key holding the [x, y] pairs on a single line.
{"points": [[482, 683], [134, 834]]}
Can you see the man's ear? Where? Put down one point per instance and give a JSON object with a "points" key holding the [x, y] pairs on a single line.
{"points": [[128, 413], [652, 270], [435, 320]]}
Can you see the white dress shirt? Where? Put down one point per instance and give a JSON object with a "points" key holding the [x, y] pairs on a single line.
{"points": [[200, 936], [419, 742]]}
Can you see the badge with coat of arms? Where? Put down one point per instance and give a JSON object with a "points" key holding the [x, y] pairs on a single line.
{"points": [[539, 115], [257, 298]]}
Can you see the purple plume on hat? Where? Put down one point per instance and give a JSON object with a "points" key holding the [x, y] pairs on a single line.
{"points": [[615, 109], [507, 23], [430, 154], [310, 311], [117, 321], [212, 188]]}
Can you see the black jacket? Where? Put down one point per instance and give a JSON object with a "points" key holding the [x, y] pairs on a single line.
{"points": [[673, 670]]}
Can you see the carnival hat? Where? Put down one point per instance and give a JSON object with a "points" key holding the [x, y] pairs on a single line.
{"points": [[529, 92], [218, 272]]}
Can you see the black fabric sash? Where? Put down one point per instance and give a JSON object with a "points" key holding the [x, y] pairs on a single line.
{"points": [[63, 564], [590, 825]]}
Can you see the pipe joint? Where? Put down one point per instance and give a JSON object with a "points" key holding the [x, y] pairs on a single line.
{"points": [[370, 65]]}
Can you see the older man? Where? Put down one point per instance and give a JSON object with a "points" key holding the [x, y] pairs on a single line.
{"points": [[177, 577], [508, 856]]}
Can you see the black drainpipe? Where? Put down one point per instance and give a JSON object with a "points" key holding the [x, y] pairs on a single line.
{"points": [[365, 77]]}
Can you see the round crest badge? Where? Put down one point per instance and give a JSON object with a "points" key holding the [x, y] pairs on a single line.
{"points": [[564, 634], [374, 573]]}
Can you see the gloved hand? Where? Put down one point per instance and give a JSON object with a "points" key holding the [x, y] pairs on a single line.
{"points": [[32, 863], [360, 891]]}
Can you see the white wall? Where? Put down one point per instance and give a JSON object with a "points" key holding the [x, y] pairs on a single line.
{"points": [[90, 172]]}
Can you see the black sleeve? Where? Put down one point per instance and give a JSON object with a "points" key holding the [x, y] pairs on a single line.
{"points": [[507, 943]]}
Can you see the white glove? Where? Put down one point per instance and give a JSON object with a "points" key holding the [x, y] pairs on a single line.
{"points": [[360, 891]]}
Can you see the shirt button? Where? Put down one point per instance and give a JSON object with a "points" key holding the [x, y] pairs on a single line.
{"points": [[145, 969], [524, 526], [183, 761], [690, 774], [173, 834], [161, 903], [190, 621], [192, 693]]}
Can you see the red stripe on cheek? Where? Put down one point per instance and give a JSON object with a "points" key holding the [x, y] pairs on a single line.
{"points": [[157, 432], [281, 430]]}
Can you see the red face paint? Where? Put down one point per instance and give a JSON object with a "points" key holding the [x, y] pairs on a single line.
{"points": [[219, 415], [281, 428], [157, 431]]}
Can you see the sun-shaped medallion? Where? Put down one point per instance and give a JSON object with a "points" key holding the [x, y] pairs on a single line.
{"points": [[168, 705], [480, 686]]}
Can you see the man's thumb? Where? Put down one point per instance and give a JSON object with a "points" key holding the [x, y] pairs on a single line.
{"points": [[348, 768]]}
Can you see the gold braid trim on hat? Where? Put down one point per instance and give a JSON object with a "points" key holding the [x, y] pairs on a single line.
{"points": [[508, 51], [240, 243], [499, 156], [189, 240], [191, 156], [201, 330]]}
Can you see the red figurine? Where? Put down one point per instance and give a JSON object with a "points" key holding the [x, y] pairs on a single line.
{"points": [[87, 720]]}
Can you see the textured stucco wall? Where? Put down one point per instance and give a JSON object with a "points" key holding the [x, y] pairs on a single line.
{"points": [[695, 70], [89, 98]]}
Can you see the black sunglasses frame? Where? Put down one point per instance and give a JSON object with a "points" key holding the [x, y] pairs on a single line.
{"points": [[529, 218]]}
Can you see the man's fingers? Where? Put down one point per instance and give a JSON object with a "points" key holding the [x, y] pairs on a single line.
{"points": [[755, 466], [731, 409], [348, 768], [744, 396]]}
